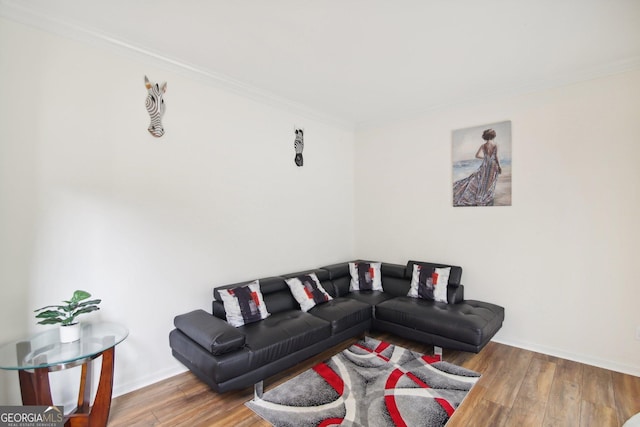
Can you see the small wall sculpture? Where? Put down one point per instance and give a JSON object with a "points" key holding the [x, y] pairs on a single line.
{"points": [[298, 145], [155, 106]]}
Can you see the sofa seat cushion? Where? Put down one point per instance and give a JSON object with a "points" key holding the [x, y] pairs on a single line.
{"points": [[372, 298], [281, 334], [342, 313], [469, 322]]}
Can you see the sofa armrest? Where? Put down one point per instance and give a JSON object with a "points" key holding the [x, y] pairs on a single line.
{"points": [[215, 335], [455, 294]]}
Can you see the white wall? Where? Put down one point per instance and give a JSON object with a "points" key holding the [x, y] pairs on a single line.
{"points": [[90, 200], [563, 259]]}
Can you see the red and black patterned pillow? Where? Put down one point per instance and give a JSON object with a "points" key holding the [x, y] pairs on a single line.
{"points": [[308, 291], [244, 304], [429, 283], [365, 276]]}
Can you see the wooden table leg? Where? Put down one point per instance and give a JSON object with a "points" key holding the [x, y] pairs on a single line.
{"points": [[84, 394], [34, 387], [98, 414]]}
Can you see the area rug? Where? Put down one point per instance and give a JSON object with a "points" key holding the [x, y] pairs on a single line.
{"points": [[372, 383]]}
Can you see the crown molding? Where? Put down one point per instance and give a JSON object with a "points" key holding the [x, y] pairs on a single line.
{"points": [[517, 89], [19, 11]]}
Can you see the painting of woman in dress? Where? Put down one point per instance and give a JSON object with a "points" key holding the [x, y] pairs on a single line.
{"points": [[483, 179]]}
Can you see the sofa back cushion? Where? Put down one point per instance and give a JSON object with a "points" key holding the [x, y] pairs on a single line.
{"points": [[340, 278], [455, 291], [244, 304], [321, 274], [394, 278], [307, 289], [275, 292], [365, 276], [454, 275]]}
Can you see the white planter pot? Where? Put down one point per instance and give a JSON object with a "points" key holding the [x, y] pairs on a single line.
{"points": [[70, 333]]}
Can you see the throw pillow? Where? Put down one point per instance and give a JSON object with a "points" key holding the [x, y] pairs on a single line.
{"points": [[365, 276], [429, 283], [308, 291], [244, 304]]}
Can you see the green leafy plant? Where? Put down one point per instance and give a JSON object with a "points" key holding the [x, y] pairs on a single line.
{"points": [[66, 314]]}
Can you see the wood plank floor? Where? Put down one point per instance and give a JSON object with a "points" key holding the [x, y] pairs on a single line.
{"points": [[518, 388]]}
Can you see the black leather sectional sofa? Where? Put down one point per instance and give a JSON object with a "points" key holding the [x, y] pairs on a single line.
{"points": [[229, 358]]}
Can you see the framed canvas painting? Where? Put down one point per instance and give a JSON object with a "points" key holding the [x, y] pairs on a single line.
{"points": [[481, 158]]}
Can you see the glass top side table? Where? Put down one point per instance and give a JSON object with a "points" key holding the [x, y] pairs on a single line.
{"points": [[44, 350], [34, 357]]}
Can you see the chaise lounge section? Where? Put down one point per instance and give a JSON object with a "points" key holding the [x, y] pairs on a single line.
{"points": [[229, 358], [460, 324]]}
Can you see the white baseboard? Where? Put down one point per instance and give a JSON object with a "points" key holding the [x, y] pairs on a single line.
{"points": [[576, 357], [606, 364], [127, 387]]}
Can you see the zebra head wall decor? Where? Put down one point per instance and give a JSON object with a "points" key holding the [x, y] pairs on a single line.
{"points": [[298, 145], [155, 106]]}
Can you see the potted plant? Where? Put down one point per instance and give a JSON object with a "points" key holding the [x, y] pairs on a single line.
{"points": [[66, 314]]}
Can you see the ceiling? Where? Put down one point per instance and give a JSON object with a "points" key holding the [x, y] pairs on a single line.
{"points": [[363, 61]]}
